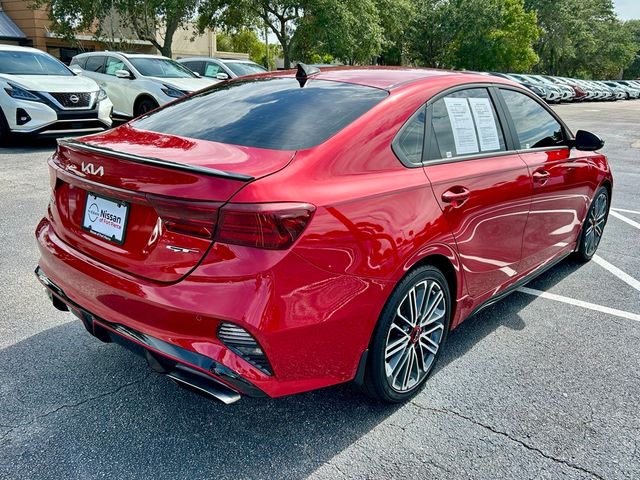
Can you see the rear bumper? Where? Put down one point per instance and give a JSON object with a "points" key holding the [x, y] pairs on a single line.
{"points": [[312, 325], [178, 363]]}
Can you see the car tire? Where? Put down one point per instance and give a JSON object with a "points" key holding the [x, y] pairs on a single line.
{"points": [[144, 105], [593, 226], [405, 347], [4, 130]]}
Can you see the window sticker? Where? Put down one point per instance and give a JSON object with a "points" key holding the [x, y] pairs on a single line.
{"points": [[485, 123], [464, 133]]}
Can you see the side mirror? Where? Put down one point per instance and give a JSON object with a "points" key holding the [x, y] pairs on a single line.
{"points": [[123, 74], [197, 75], [222, 76], [587, 141], [75, 69]]}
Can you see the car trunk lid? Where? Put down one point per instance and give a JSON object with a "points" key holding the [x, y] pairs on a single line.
{"points": [[164, 193]]}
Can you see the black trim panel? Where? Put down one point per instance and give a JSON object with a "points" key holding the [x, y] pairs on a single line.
{"points": [[77, 145]]}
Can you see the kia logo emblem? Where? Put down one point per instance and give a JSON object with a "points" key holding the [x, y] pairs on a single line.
{"points": [[91, 169], [74, 98]]}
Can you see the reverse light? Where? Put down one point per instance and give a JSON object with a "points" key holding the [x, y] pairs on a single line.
{"points": [[272, 226], [20, 93], [242, 343]]}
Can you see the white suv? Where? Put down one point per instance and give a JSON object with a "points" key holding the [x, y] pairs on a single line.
{"points": [[138, 83], [219, 69], [40, 95]]}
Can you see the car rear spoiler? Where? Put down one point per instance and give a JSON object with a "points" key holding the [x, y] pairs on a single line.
{"points": [[212, 172]]}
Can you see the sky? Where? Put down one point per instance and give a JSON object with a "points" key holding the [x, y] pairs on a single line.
{"points": [[627, 9]]}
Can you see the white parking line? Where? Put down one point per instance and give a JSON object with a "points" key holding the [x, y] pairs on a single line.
{"points": [[626, 210], [624, 219], [625, 277], [580, 303]]}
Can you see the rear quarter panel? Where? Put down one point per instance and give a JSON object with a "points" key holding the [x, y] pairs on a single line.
{"points": [[375, 218]]}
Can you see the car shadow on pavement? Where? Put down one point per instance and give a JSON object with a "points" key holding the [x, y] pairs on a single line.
{"points": [[501, 314], [73, 407]]}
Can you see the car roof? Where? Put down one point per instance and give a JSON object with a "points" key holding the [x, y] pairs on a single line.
{"points": [[238, 60], [16, 48], [223, 60], [387, 78], [124, 54]]}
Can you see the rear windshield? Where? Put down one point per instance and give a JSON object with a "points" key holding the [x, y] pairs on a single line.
{"points": [[274, 113]]}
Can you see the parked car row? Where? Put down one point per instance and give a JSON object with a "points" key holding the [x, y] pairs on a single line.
{"points": [[562, 89], [40, 95]]}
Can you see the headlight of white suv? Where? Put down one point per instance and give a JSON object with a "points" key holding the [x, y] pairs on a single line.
{"points": [[102, 95], [170, 91], [21, 94]]}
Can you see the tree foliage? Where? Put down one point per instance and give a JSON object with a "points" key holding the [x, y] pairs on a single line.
{"points": [[348, 31], [247, 41], [142, 18], [633, 28], [474, 34], [581, 38], [560, 37], [280, 16]]}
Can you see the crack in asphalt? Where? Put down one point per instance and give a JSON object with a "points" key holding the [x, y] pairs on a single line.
{"points": [[562, 461], [68, 406]]}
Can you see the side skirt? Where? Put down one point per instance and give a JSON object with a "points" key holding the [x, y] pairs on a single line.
{"points": [[523, 281]]}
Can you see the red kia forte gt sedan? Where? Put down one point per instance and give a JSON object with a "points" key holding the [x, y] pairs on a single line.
{"points": [[289, 231]]}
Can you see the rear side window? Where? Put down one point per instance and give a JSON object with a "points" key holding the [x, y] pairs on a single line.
{"points": [[465, 123], [535, 126], [194, 66], [409, 142], [80, 61], [273, 113], [95, 64]]}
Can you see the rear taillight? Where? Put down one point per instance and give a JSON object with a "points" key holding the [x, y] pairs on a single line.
{"points": [[187, 217], [273, 226]]}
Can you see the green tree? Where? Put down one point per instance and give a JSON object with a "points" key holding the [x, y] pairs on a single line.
{"points": [[144, 18], [280, 16], [348, 31], [581, 38], [431, 33], [633, 28], [395, 20], [352, 31], [474, 34], [247, 41]]}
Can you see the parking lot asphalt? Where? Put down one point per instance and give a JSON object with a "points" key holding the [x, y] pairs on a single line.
{"points": [[531, 387]]}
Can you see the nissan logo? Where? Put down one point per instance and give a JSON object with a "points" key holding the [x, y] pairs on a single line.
{"points": [[74, 98]]}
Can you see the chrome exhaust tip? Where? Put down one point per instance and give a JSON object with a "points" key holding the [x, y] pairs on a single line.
{"points": [[193, 380]]}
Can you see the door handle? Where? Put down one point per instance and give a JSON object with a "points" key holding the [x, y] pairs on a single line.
{"points": [[541, 176], [456, 196]]}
